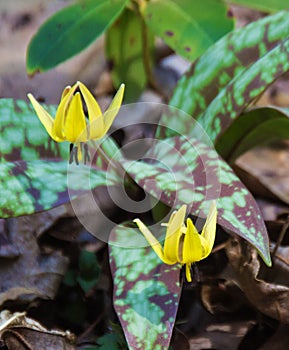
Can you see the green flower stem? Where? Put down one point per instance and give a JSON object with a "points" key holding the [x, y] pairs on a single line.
{"points": [[146, 52], [137, 7], [105, 153]]}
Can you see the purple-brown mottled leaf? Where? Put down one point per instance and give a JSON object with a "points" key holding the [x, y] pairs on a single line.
{"points": [[244, 89], [232, 73], [34, 168], [185, 171], [146, 291], [23, 137], [31, 186]]}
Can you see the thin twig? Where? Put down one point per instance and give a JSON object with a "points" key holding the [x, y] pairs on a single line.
{"points": [[90, 328], [281, 236]]}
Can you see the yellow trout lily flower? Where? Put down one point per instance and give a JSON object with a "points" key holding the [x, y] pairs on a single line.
{"points": [[183, 244], [70, 123]]}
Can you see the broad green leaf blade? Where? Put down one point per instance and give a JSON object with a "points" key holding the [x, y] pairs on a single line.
{"points": [[188, 26], [125, 53], [227, 59], [244, 89], [69, 31], [189, 172], [262, 5], [256, 127], [23, 137], [27, 187], [146, 291], [34, 169]]}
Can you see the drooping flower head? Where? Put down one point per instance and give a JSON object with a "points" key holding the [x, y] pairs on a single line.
{"points": [[183, 244], [70, 123]]}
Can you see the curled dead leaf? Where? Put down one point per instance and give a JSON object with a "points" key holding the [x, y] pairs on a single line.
{"points": [[19, 332], [268, 169], [270, 298], [222, 296], [32, 274]]}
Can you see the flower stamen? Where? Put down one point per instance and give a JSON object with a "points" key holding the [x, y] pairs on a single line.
{"points": [[73, 154], [86, 153]]}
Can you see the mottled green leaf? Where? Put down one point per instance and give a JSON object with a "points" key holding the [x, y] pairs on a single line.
{"points": [[188, 26], [27, 187], [125, 53], [189, 172], [146, 291], [243, 89], [69, 31], [34, 169], [256, 127], [262, 5], [23, 137], [222, 79]]}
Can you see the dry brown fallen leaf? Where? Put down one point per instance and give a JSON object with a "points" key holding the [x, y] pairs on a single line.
{"points": [[19, 332], [270, 298], [32, 273], [270, 168], [222, 296], [225, 335]]}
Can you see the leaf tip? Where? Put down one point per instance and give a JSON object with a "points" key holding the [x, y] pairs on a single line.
{"points": [[31, 72], [266, 258]]}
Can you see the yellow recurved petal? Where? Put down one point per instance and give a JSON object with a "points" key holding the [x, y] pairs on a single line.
{"points": [[65, 92], [75, 125], [155, 244], [192, 246], [173, 235], [94, 113], [60, 117], [209, 229], [113, 109], [96, 129], [93, 108], [43, 116]]}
